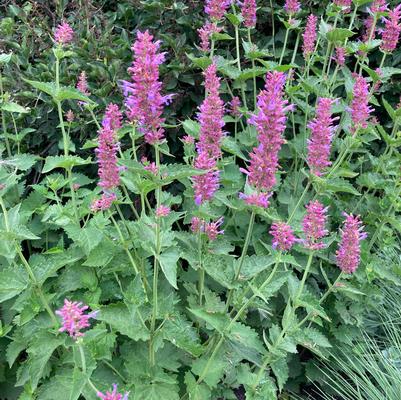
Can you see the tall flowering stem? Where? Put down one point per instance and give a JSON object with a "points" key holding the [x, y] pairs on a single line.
{"points": [[314, 225], [348, 253], [210, 117], [392, 30], [143, 98], [109, 172], [309, 36], [270, 122], [360, 109], [319, 144], [248, 11], [216, 9]]}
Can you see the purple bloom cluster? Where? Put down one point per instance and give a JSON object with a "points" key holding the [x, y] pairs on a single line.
{"points": [[319, 144], [314, 225], [360, 109], [344, 3], [283, 236], [211, 229], [82, 84], [340, 56], [248, 11], [73, 318], [234, 106], [63, 34], [292, 6], [379, 6], [309, 36], [109, 172], [270, 124], [113, 395], [205, 32], [348, 253], [216, 8], [144, 101], [392, 30], [210, 117]]}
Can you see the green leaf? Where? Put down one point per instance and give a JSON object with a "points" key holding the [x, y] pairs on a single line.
{"points": [[311, 337], [200, 62], [312, 305], [231, 146], [156, 391], [336, 185], [124, 320], [5, 58], [39, 352], [168, 262], [216, 36], [215, 371], [65, 162], [87, 238], [249, 73], [70, 93], [254, 264], [22, 161], [339, 35], [196, 391], [12, 282], [218, 321], [246, 336], [14, 108], [234, 19], [220, 268], [191, 127], [281, 371], [47, 87], [180, 332]]}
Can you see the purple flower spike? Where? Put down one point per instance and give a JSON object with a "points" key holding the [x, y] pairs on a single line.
{"points": [[283, 236], [217, 8], [143, 97], [360, 109], [309, 36], [270, 124], [211, 121], [73, 318], [292, 7], [113, 395], [322, 130], [63, 34], [314, 225], [392, 30], [348, 253], [248, 11]]}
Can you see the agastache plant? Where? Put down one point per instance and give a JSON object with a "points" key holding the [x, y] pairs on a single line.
{"points": [[143, 98], [248, 11], [210, 117], [114, 395], [309, 36], [392, 30], [360, 109], [216, 8], [63, 34]]}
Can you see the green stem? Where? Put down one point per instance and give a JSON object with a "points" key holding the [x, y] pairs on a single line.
{"points": [[299, 202], [200, 267], [254, 75], [3, 118], [155, 268], [83, 362], [237, 47], [305, 275], [273, 28], [94, 117], [285, 45], [242, 257]]}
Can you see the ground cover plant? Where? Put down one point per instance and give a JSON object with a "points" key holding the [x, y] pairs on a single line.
{"points": [[201, 210]]}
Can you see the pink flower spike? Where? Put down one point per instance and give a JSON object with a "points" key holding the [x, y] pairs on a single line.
{"points": [[292, 7], [63, 34], [204, 34], [70, 116], [322, 130], [162, 211], [248, 11], [197, 225], [143, 98], [104, 203], [360, 109], [217, 8], [73, 318], [348, 253], [234, 106], [82, 84], [108, 147], [314, 225], [379, 6], [256, 199], [340, 56], [113, 395], [283, 236], [270, 122], [392, 30], [309, 36], [344, 3], [212, 229]]}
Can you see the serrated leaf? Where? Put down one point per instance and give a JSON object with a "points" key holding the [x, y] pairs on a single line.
{"points": [[339, 35], [123, 320], [336, 185], [181, 333], [281, 371], [245, 336], [14, 108], [220, 268], [168, 263], [250, 73], [87, 238], [218, 321], [12, 282], [191, 127], [196, 391], [311, 337], [47, 87], [21, 161], [156, 391], [65, 162], [313, 306]]}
